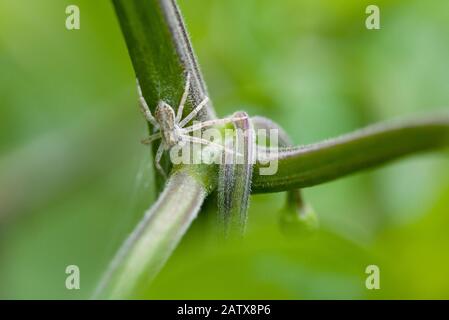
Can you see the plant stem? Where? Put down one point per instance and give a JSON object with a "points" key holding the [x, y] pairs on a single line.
{"points": [[314, 164], [161, 54], [152, 242]]}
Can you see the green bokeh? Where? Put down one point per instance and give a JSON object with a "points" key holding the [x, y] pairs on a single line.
{"points": [[74, 179]]}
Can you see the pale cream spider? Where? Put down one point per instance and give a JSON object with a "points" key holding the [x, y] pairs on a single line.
{"points": [[171, 130]]}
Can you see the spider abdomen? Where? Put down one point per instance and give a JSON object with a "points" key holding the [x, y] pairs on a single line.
{"points": [[165, 116]]}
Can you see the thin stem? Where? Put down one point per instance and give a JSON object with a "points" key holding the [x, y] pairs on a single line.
{"points": [[161, 52], [314, 164], [162, 56], [152, 242]]}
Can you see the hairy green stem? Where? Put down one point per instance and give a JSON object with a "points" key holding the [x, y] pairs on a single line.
{"points": [[314, 164], [234, 177], [152, 242], [161, 54]]}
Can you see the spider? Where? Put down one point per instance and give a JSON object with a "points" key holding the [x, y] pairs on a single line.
{"points": [[171, 129]]}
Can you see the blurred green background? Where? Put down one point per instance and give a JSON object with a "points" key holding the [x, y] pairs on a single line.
{"points": [[74, 179]]}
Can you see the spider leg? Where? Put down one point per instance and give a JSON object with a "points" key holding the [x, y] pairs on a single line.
{"points": [[194, 112], [144, 106], [183, 99], [208, 143], [213, 122], [151, 138], [157, 160]]}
